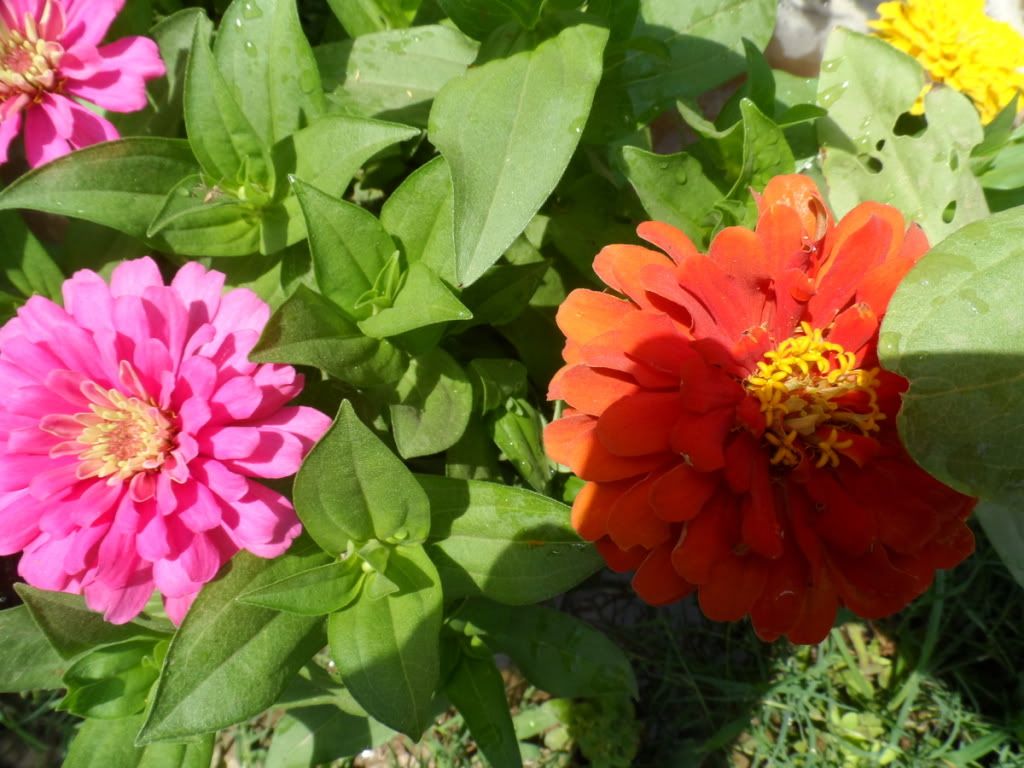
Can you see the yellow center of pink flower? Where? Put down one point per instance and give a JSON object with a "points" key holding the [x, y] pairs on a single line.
{"points": [[123, 438], [29, 64], [814, 398]]}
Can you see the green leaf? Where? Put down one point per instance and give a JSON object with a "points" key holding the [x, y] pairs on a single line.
{"points": [[310, 330], [222, 138], [120, 184], [349, 246], [112, 682], [352, 488], [419, 216], [489, 124], [479, 18], [511, 545], [387, 649], [110, 743], [504, 291], [28, 662], [362, 17], [765, 154], [477, 690], [673, 189], [866, 85], [197, 220], [423, 300], [24, 260], [395, 73], [953, 330], [268, 66], [433, 402], [71, 627], [1004, 525], [229, 661], [496, 380], [556, 652], [316, 592], [517, 431], [322, 734], [351, 142], [680, 50]]}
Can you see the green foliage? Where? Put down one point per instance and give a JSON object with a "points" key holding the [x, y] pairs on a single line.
{"points": [[351, 488], [500, 178], [476, 687], [510, 545], [953, 330], [866, 85], [28, 661], [321, 734], [319, 591], [209, 678], [387, 647], [107, 743]]}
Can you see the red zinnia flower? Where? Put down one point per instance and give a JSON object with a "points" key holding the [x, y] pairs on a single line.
{"points": [[735, 430]]}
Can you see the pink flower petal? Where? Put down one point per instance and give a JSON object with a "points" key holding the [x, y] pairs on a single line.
{"points": [[87, 21], [117, 81]]}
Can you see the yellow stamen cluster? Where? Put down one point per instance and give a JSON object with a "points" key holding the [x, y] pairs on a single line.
{"points": [[123, 438], [29, 64], [800, 386], [958, 45]]}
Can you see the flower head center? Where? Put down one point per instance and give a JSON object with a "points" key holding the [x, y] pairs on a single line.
{"points": [[29, 64], [122, 437], [815, 401]]}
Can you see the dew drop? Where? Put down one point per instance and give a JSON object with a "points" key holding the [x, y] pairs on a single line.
{"points": [[250, 48], [251, 9], [889, 343]]}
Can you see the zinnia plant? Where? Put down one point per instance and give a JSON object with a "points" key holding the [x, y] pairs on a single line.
{"points": [[735, 429], [50, 58], [133, 426]]}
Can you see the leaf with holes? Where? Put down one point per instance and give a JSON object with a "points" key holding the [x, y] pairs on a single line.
{"points": [[872, 153]]}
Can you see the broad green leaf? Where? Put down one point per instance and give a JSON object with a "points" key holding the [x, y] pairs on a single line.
{"points": [[316, 592], [557, 652], [479, 18], [269, 67], [394, 73], [24, 260], [310, 330], [474, 457], [503, 292], [112, 682], [508, 142], [363, 17], [28, 662], [496, 380], [197, 220], [222, 138], [352, 488], [229, 661], [673, 189], [477, 690], [349, 246], [322, 734], [71, 627], [433, 401], [111, 744], [508, 544], [327, 154], [953, 329], [765, 155], [120, 184], [387, 649], [418, 215], [1003, 523], [423, 300], [866, 85], [680, 50], [517, 431]]}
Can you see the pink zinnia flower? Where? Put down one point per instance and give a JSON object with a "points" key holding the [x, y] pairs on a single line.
{"points": [[50, 60], [131, 425]]}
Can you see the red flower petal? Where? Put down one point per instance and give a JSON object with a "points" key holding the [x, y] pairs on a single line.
{"points": [[681, 493], [657, 582], [572, 441]]}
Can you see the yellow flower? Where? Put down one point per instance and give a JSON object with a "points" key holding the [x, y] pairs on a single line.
{"points": [[958, 45]]}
